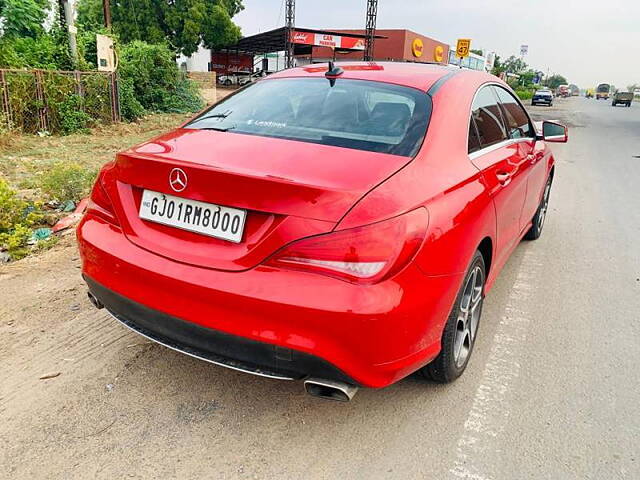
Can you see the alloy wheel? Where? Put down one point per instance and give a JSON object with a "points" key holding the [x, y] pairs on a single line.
{"points": [[468, 317], [544, 206]]}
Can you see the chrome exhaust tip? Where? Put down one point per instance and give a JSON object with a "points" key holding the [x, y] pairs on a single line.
{"points": [[96, 303], [330, 389]]}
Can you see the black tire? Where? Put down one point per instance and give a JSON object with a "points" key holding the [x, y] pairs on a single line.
{"points": [[541, 214], [450, 364]]}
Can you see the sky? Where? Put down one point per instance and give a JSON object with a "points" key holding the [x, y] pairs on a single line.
{"points": [[589, 42]]}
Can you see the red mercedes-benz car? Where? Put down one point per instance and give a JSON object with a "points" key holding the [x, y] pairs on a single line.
{"points": [[339, 225]]}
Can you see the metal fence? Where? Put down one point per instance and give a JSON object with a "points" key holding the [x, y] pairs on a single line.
{"points": [[33, 100]]}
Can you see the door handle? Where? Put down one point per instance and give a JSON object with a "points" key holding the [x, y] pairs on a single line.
{"points": [[503, 177], [534, 157]]}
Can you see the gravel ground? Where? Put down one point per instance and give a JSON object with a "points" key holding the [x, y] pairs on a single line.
{"points": [[552, 390]]}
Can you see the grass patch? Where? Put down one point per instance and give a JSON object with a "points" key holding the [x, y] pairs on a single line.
{"points": [[67, 181], [26, 157], [36, 170]]}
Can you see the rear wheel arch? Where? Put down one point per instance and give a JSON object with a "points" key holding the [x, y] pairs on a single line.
{"points": [[486, 250]]}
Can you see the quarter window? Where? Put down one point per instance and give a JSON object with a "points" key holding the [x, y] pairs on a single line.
{"points": [[516, 118], [487, 116], [474, 141]]}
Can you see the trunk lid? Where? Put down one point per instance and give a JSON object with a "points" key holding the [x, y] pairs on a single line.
{"points": [[290, 189]]}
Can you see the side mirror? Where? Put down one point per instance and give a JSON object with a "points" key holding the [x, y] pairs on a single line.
{"points": [[554, 132]]}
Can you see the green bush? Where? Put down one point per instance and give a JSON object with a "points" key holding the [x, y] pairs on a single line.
{"points": [[48, 51], [524, 93], [149, 81], [16, 218], [130, 107], [157, 82], [185, 98], [72, 118], [16, 241], [67, 181], [13, 210]]}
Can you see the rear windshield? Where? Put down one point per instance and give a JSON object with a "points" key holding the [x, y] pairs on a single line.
{"points": [[358, 114]]}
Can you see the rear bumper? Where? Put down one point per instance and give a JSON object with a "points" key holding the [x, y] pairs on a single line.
{"points": [[229, 351], [270, 322]]}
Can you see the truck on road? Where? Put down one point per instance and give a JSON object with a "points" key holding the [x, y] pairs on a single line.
{"points": [[603, 91], [623, 98], [563, 91]]}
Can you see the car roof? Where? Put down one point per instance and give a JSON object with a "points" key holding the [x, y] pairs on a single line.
{"points": [[416, 75]]}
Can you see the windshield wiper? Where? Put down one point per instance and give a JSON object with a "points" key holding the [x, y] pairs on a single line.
{"points": [[220, 116], [216, 115], [218, 129]]}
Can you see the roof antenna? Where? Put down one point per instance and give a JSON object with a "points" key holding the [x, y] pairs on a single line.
{"points": [[333, 72]]}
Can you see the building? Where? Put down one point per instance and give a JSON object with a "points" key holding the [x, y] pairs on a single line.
{"points": [[263, 52], [398, 45], [472, 62], [200, 61]]}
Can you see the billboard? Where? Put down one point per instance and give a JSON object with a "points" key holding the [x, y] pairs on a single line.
{"points": [[225, 63], [325, 40]]}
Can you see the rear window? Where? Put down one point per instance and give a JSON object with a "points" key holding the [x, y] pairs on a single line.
{"points": [[356, 114]]}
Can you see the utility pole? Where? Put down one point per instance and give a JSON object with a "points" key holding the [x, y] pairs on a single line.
{"points": [[106, 11], [67, 23], [290, 22], [370, 31]]}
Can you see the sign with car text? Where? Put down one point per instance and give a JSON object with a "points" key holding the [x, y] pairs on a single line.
{"points": [[325, 40], [463, 47]]}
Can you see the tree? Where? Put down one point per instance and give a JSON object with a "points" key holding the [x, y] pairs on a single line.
{"points": [[498, 66], [23, 18], [90, 15], [477, 52], [514, 65], [526, 77], [554, 81], [184, 24]]}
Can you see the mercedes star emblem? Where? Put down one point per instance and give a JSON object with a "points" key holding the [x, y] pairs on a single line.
{"points": [[178, 179]]}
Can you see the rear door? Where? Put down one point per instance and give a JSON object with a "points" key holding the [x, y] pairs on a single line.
{"points": [[520, 129], [499, 159]]}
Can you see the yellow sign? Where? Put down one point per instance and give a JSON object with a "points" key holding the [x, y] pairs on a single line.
{"points": [[438, 53], [417, 47], [462, 47]]}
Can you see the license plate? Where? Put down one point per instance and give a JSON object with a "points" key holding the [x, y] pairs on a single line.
{"points": [[192, 215]]}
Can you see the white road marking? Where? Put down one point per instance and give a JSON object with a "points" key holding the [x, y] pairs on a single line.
{"points": [[491, 407]]}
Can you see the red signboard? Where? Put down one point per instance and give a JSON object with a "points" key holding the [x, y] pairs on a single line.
{"points": [[225, 63], [325, 40]]}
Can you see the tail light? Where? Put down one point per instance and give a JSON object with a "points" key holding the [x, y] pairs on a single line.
{"points": [[366, 254], [99, 202]]}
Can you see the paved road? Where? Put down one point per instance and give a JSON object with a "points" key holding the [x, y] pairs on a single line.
{"points": [[552, 392]]}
